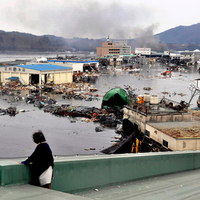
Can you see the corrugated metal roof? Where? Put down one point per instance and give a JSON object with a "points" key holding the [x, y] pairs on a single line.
{"points": [[44, 67]]}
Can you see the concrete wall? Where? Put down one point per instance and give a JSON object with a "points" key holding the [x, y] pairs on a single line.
{"points": [[159, 136], [188, 144], [135, 117], [173, 117], [175, 144], [83, 172], [141, 119]]}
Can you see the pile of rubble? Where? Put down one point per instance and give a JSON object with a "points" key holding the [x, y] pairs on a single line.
{"points": [[70, 90], [87, 114], [12, 111]]}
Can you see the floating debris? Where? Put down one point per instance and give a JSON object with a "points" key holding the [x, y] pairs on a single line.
{"points": [[147, 88], [23, 110], [12, 111], [99, 129], [91, 148]]}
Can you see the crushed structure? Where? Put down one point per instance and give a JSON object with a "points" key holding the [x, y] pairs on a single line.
{"points": [[168, 124]]}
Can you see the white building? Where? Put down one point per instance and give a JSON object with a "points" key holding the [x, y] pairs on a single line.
{"points": [[143, 51], [177, 136], [194, 56], [174, 56], [77, 66]]}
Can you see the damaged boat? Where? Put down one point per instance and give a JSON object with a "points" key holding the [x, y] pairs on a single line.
{"points": [[129, 142]]}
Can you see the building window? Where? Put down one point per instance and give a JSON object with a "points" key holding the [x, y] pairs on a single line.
{"points": [[147, 133], [5, 68], [14, 69], [165, 143], [23, 69], [19, 69], [10, 68]]}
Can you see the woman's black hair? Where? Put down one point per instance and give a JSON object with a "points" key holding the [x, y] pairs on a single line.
{"points": [[38, 137]]}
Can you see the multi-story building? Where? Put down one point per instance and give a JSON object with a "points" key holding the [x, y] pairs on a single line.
{"points": [[114, 48], [107, 48], [124, 49]]}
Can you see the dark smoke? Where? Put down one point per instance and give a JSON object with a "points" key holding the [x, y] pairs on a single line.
{"points": [[85, 19], [77, 18], [145, 39]]}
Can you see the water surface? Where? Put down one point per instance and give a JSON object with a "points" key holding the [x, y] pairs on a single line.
{"points": [[66, 138]]}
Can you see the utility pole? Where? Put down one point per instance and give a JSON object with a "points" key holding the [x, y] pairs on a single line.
{"points": [[194, 90]]}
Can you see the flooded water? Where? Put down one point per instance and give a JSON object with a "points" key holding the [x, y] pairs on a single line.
{"points": [[66, 138], [12, 56]]}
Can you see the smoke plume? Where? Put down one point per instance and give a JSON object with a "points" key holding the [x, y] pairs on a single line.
{"points": [[145, 39], [83, 18]]}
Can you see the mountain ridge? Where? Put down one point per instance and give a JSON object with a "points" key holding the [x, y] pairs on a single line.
{"points": [[176, 39], [181, 35]]}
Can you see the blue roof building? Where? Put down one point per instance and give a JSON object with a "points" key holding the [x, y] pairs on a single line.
{"points": [[37, 74], [44, 67]]}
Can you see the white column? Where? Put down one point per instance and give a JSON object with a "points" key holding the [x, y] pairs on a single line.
{"points": [[39, 79]]}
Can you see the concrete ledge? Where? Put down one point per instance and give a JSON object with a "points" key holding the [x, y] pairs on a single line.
{"points": [[77, 173]]}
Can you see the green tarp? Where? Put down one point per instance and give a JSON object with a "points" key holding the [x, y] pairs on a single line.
{"points": [[115, 97]]}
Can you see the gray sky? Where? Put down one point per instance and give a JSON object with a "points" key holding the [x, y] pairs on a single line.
{"points": [[96, 18]]}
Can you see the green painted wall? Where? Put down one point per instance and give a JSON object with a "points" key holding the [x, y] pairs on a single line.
{"points": [[83, 172], [14, 175]]}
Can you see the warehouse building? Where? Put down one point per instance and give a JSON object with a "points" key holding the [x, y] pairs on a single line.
{"points": [[37, 74], [77, 66]]}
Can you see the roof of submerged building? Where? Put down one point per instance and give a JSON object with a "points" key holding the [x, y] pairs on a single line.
{"points": [[44, 67], [181, 129]]}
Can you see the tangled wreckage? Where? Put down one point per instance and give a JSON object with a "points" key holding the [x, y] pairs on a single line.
{"points": [[12, 111], [135, 136]]}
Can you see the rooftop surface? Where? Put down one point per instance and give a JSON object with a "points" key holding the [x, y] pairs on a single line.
{"points": [[179, 129], [44, 67], [182, 129], [178, 186], [29, 192]]}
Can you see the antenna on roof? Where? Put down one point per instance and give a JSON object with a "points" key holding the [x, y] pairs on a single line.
{"points": [[108, 40]]}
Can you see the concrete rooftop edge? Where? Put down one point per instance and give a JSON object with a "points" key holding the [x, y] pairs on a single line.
{"points": [[79, 173]]}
